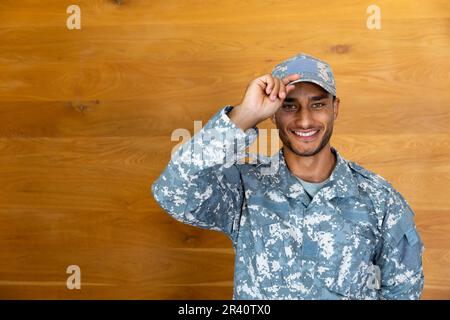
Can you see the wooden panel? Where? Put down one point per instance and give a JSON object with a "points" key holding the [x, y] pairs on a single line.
{"points": [[87, 117]]}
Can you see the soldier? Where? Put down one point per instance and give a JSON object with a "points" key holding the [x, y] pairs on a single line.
{"points": [[318, 227]]}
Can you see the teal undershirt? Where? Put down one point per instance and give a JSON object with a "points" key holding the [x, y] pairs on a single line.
{"points": [[312, 188]]}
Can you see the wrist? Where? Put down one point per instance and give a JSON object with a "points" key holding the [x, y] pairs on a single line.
{"points": [[242, 119]]}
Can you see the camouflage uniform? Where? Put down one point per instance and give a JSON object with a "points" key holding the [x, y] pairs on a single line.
{"points": [[355, 239]]}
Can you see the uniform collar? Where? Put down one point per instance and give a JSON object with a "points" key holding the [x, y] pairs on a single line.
{"points": [[342, 183]]}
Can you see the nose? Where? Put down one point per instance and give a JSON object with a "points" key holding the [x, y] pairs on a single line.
{"points": [[303, 118]]}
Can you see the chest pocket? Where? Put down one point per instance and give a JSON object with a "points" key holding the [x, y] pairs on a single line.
{"points": [[350, 273], [269, 208]]}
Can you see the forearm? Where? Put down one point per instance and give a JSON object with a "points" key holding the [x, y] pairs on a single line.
{"points": [[201, 177]]}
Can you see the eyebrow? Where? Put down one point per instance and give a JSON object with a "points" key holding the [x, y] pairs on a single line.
{"points": [[313, 98]]}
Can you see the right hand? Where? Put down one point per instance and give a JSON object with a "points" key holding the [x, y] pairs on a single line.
{"points": [[262, 99]]}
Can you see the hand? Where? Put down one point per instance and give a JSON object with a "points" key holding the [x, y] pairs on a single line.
{"points": [[263, 97]]}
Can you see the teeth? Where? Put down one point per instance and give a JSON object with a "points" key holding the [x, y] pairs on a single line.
{"points": [[305, 134]]}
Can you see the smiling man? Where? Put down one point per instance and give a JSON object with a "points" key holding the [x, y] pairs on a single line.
{"points": [[320, 226]]}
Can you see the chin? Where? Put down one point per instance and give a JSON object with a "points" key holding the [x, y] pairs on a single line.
{"points": [[305, 149], [306, 153]]}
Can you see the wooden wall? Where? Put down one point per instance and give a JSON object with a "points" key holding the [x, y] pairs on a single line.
{"points": [[86, 118]]}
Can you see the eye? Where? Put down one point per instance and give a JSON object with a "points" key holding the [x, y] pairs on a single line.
{"points": [[318, 105], [289, 107]]}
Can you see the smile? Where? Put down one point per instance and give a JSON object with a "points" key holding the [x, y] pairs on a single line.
{"points": [[307, 135]]}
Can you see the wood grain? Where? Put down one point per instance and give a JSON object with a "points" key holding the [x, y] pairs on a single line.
{"points": [[87, 116]]}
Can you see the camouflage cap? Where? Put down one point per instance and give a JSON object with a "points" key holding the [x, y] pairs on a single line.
{"points": [[310, 69]]}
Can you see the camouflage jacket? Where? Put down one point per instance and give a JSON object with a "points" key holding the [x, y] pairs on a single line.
{"points": [[355, 239]]}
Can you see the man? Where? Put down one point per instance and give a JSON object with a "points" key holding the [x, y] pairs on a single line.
{"points": [[318, 227]]}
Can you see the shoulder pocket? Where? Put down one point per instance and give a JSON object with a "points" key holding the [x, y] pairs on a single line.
{"points": [[412, 237]]}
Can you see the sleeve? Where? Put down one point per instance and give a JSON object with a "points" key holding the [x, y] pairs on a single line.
{"points": [[400, 260], [201, 186]]}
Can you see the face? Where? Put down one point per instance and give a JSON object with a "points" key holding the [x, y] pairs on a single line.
{"points": [[305, 120]]}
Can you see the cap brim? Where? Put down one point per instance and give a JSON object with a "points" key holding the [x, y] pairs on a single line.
{"points": [[313, 81]]}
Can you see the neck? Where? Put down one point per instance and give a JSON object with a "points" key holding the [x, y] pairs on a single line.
{"points": [[316, 168]]}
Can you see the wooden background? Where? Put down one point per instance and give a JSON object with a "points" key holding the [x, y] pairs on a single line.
{"points": [[86, 118]]}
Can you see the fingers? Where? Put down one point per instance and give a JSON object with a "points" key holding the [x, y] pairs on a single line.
{"points": [[276, 88], [283, 92], [270, 83], [290, 78], [281, 87], [289, 88]]}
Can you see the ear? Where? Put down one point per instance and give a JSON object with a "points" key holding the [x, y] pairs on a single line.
{"points": [[336, 107]]}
